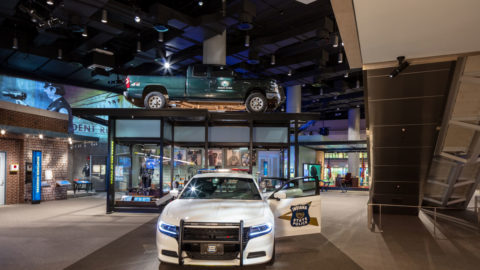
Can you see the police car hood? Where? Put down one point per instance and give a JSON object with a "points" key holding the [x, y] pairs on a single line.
{"points": [[252, 212]]}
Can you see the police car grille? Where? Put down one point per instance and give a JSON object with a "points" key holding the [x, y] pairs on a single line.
{"points": [[210, 234]]}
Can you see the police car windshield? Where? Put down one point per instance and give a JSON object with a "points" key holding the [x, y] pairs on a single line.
{"points": [[221, 188]]}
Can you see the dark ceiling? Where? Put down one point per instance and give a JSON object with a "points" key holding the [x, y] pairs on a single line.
{"points": [[300, 36]]}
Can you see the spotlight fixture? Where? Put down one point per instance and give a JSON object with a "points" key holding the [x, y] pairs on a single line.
{"points": [[200, 3], [104, 16], [272, 60], [357, 85], [15, 43], [289, 72], [166, 65], [335, 41], [160, 36], [50, 2], [346, 74], [60, 54], [40, 136], [85, 32], [3, 131], [340, 57], [247, 40], [70, 140], [343, 44], [139, 46], [137, 19], [402, 64]]}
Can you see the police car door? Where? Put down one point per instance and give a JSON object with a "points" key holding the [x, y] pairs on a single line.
{"points": [[296, 208]]}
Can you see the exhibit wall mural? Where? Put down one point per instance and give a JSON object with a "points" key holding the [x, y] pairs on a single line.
{"points": [[62, 98]]}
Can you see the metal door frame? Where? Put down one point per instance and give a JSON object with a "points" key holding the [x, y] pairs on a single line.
{"points": [[5, 180]]}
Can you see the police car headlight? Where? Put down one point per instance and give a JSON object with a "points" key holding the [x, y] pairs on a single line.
{"points": [[259, 230], [167, 229]]}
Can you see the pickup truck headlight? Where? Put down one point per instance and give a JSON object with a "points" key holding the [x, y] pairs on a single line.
{"points": [[259, 230], [274, 86], [167, 229]]}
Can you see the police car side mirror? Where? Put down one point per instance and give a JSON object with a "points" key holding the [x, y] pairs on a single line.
{"points": [[174, 193], [280, 195]]}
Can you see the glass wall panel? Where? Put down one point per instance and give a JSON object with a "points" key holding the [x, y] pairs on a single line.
{"points": [[137, 128]]}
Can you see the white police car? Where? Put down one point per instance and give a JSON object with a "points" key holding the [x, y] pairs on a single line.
{"points": [[223, 219]]}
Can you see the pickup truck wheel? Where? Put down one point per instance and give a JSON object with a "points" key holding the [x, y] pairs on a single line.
{"points": [[256, 102], [155, 100]]}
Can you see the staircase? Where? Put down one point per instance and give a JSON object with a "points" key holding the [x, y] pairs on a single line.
{"points": [[454, 172]]}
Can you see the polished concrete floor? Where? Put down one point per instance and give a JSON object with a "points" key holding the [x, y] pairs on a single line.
{"points": [[76, 234]]}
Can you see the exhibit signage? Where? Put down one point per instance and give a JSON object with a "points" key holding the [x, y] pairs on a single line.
{"points": [[36, 176]]}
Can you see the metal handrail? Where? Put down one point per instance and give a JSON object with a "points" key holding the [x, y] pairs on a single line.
{"points": [[371, 223]]}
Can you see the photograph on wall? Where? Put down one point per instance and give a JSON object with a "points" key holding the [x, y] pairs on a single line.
{"points": [[234, 158], [215, 157], [180, 157], [312, 170], [194, 157]]}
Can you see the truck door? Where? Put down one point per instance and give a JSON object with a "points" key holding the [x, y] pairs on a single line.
{"points": [[222, 81], [198, 85], [295, 206]]}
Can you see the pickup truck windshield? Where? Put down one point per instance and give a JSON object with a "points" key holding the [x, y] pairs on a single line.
{"points": [[221, 188]]}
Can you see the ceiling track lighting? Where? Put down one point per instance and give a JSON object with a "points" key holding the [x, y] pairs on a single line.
{"points": [[357, 84], [247, 40], [85, 32], [15, 43], [139, 46], [346, 74], [137, 18], [104, 16], [340, 57], [402, 64], [3, 131], [160, 36], [60, 54], [289, 72], [50, 2], [272, 60], [224, 8], [200, 3], [335, 41]]}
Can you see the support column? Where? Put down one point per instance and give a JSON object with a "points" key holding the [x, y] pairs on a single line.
{"points": [[110, 172], [353, 135], [294, 99], [172, 156], [294, 105], [162, 144], [215, 49]]}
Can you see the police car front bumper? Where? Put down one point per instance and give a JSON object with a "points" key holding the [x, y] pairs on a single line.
{"points": [[258, 250]]}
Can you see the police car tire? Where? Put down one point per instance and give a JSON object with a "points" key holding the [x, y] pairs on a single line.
{"points": [[256, 95], [157, 94]]}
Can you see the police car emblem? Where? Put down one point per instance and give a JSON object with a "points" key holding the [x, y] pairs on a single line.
{"points": [[300, 216]]}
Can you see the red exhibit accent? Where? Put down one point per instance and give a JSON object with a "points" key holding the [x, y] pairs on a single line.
{"points": [[127, 82]]}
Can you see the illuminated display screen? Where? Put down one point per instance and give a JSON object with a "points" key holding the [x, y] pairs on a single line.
{"points": [[62, 98]]}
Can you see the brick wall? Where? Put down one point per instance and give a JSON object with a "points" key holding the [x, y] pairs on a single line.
{"points": [[54, 157], [26, 120], [14, 181]]}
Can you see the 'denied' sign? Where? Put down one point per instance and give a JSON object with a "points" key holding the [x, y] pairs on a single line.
{"points": [[36, 176]]}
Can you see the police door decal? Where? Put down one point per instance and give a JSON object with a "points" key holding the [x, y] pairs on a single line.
{"points": [[299, 216], [224, 84]]}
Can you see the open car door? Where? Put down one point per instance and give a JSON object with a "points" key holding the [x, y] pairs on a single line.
{"points": [[295, 204]]}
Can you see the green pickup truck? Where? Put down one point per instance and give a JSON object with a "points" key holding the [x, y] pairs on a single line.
{"points": [[204, 83]]}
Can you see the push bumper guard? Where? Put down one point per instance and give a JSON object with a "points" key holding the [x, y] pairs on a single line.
{"points": [[216, 225]]}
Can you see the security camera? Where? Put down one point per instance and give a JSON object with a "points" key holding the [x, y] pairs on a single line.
{"points": [[402, 64]]}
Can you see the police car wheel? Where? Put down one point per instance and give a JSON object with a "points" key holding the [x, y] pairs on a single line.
{"points": [[256, 102], [155, 100]]}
